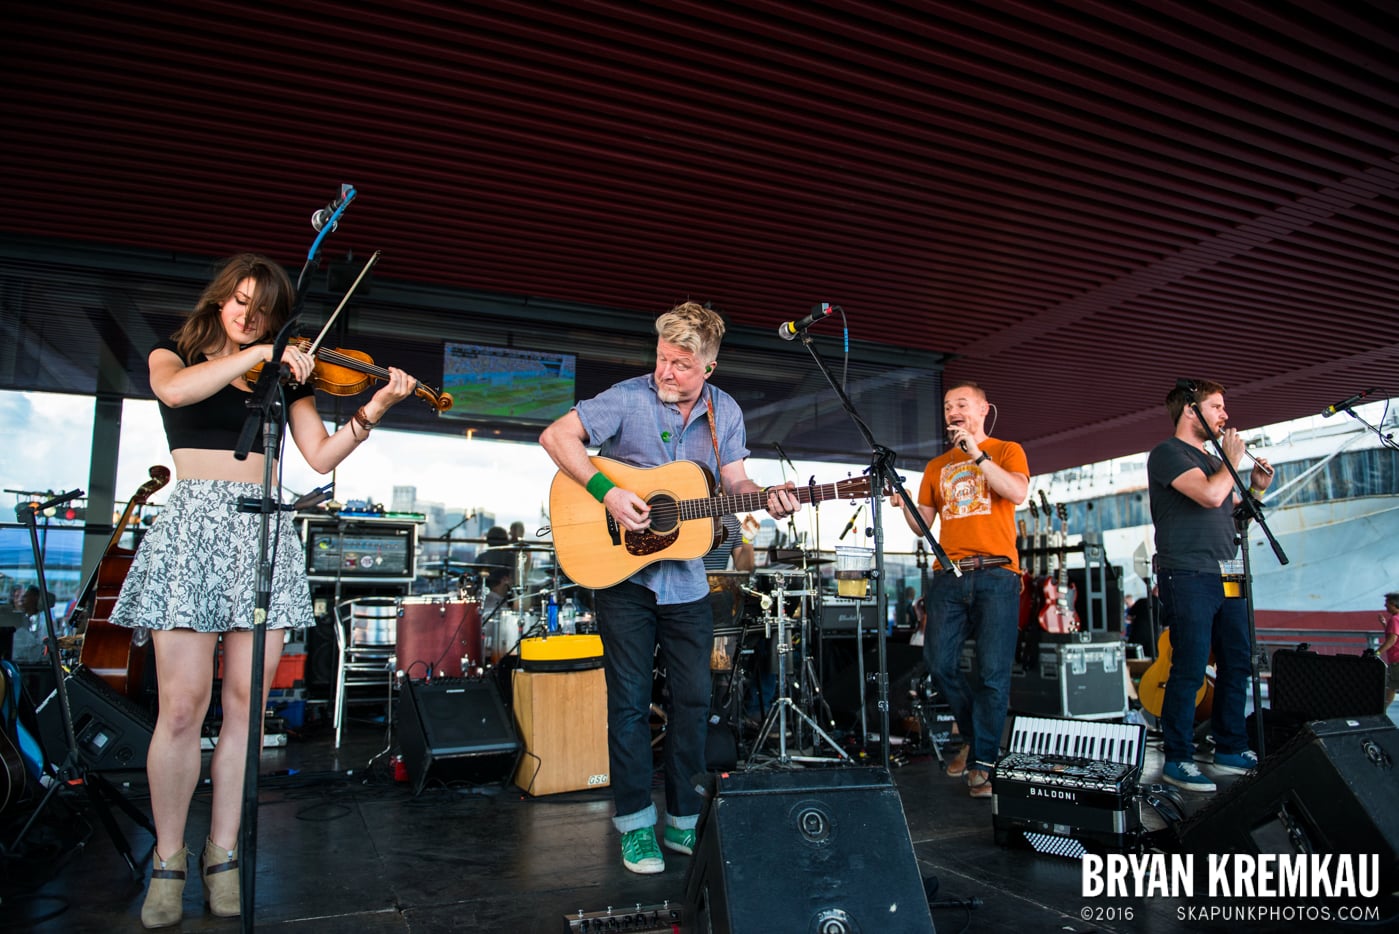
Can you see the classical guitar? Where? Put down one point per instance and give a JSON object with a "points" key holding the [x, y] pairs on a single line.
{"points": [[1059, 614], [594, 551], [106, 647], [1151, 689]]}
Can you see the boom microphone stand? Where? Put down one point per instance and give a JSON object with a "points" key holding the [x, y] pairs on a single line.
{"points": [[883, 477], [72, 770], [1249, 508], [265, 409]]}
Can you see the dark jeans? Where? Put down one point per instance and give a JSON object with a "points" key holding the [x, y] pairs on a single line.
{"points": [[1202, 618], [982, 605], [632, 624]]}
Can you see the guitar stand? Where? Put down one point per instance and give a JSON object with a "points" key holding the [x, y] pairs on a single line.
{"points": [[782, 703], [100, 792]]}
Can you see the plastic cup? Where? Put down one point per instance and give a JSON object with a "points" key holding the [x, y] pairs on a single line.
{"points": [[852, 573]]}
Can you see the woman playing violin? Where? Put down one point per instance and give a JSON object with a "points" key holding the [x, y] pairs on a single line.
{"points": [[193, 580]]}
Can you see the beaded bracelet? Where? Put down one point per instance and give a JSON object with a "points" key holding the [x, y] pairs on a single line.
{"points": [[362, 418], [598, 485]]}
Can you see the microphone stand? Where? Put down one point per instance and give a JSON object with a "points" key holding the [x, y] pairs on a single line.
{"points": [[72, 770], [882, 477], [266, 409], [1248, 508]]}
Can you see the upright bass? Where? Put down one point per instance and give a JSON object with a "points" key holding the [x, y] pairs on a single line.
{"points": [[106, 648]]}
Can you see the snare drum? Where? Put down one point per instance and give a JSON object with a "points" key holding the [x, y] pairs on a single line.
{"points": [[502, 635], [438, 635], [373, 621]]}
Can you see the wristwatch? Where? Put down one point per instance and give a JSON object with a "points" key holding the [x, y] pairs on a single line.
{"points": [[984, 457]]}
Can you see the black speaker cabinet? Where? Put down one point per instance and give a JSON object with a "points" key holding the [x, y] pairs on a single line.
{"points": [[1334, 788], [823, 850], [112, 731], [454, 729]]}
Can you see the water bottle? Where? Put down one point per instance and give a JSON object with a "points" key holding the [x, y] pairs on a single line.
{"points": [[553, 614]]}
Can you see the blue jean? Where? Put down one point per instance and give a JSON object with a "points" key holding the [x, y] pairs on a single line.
{"points": [[983, 605], [1203, 619], [632, 624]]}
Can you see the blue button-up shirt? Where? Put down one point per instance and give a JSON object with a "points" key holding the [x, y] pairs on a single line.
{"points": [[630, 423]]}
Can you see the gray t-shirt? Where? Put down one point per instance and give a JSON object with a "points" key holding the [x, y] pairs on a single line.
{"points": [[1189, 537]]}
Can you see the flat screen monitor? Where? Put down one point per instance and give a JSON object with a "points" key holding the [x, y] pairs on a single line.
{"points": [[371, 550], [506, 383]]}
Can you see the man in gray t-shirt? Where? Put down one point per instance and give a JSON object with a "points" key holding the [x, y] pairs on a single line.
{"points": [[1192, 503]]}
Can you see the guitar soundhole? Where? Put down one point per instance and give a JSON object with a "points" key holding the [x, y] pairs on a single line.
{"points": [[664, 530], [665, 517]]}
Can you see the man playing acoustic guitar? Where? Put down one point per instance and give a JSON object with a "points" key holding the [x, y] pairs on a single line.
{"points": [[1192, 506], [673, 414]]}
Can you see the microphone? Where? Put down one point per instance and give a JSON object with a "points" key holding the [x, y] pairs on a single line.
{"points": [[961, 444], [1187, 384], [783, 454], [849, 526], [323, 216], [1345, 403], [790, 329], [314, 498]]}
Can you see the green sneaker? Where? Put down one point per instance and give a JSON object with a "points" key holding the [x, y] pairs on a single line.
{"points": [[679, 839], [640, 853]]}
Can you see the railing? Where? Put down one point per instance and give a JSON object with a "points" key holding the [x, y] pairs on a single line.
{"points": [[1321, 641]]}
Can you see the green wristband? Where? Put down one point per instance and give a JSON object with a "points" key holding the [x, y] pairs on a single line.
{"points": [[599, 485]]}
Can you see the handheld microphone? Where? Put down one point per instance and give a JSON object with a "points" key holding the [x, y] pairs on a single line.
{"points": [[951, 430], [788, 330], [323, 216], [1345, 403]]}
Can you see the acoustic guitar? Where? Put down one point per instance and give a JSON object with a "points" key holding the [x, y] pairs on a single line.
{"points": [[106, 647], [594, 551], [1151, 690]]}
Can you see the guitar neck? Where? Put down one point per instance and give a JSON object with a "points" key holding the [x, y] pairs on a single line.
{"points": [[730, 504]]}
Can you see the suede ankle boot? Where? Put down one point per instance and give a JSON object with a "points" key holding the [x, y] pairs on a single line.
{"points": [[219, 868], [164, 903]]}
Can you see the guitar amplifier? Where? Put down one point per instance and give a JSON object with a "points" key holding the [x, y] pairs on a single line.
{"points": [[839, 615]]}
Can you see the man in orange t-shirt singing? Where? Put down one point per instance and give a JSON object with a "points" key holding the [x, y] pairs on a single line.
{"points": [[973, 490]]}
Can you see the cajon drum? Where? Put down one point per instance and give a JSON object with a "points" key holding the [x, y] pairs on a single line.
{"points": [[562, 718]]}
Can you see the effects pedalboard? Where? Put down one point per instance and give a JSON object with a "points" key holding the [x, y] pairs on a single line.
{"points": [[662, 919]]}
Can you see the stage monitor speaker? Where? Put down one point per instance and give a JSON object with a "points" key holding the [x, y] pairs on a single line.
{"points": [[1332, 789], [454, 729], [112, 731], [823, 850]]}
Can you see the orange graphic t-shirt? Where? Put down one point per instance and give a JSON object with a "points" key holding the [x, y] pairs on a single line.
{"points": [[974, 519]]}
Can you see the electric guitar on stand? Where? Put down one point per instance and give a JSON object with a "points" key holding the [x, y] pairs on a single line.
{"points": [[1060, 614], [594, 551]]}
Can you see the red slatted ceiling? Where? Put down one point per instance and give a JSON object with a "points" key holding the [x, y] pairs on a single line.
{"points": [[1082, 201]]}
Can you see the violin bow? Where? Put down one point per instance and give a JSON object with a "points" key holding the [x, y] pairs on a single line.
{"points": [[344, 301]]}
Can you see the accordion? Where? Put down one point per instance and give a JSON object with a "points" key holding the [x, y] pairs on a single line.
{"points": [[1069, 787]]}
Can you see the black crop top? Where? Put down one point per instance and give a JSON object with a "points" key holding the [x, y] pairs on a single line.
{"points": [[215, 423]]}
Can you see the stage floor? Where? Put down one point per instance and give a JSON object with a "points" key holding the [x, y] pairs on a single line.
{"points": [[344, 847]]}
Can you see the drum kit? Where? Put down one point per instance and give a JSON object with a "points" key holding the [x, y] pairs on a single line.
{"points": [[465, 628]]}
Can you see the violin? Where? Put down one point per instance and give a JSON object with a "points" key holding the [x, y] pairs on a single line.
{"points": [[341, 372]]}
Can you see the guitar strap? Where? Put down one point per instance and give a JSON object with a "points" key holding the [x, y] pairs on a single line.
{"points": [[714, 436]]}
